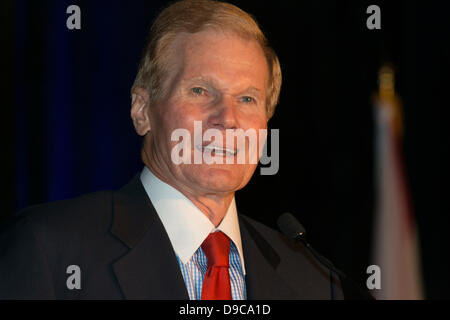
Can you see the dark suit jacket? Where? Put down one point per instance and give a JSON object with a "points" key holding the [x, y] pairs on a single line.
{"points": [[123, 251]]}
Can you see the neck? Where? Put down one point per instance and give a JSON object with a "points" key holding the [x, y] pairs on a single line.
{"points": [[213, 207]]}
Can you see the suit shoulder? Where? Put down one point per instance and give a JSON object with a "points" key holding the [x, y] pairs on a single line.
{"points": [[62, 217], [296, 264], [41, 241], [285, 248], [74, 208]]}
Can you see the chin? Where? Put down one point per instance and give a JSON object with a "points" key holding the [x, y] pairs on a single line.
{"points": [[221, 179]]}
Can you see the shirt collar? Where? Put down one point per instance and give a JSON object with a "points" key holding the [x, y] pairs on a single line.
{"points": [[186, 226]]}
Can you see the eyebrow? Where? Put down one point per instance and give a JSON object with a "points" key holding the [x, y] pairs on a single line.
{"points": [[206, 80], [211, 82], [254, 91]]}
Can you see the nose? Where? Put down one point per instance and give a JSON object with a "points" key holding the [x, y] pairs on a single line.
{"points": [[224, 114]]}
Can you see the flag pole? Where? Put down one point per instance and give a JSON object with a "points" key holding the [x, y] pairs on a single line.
{"points": [[396, 246]]}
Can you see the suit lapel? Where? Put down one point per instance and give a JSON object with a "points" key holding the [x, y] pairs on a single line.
{"points": [[149, 270], [261, 261]]}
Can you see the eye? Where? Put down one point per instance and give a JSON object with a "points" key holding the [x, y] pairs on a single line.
{"points": [[247, 99], [198, 91]]}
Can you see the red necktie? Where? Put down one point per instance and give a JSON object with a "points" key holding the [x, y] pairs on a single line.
{"points": [[216, 284]]}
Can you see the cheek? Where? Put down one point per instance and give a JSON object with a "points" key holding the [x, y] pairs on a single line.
{"points": [[182, 115], [174, 122], [256, 122], [170, 119], [255, 148], [253, 117]]}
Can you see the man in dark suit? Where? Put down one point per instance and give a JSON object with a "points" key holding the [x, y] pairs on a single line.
{"points": [[174, 232]]}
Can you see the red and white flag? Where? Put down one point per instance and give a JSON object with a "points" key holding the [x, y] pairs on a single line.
{"points": [[396, 245]]}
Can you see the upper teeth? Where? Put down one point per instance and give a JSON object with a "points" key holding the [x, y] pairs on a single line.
{"points": [[219, 150]]}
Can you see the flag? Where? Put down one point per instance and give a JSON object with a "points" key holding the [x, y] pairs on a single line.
{"points": [[396, 250]]}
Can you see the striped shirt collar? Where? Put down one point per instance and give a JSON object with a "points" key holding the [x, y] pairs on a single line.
{"points": [[186, 226]]}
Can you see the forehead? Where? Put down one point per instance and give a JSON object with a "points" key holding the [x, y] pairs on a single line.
{"points": [[223, 56]]}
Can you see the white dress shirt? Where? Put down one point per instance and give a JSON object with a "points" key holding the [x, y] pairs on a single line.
{"points": [[187, 228]]}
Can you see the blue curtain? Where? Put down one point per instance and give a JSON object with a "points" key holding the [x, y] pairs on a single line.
{"points": [[71, 96]]}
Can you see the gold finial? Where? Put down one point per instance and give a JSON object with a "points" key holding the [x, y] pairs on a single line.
{"points": [[386, 83], [387, 97]]}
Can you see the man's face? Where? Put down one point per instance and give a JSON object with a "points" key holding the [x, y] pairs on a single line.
{"points": [[219, 79]]}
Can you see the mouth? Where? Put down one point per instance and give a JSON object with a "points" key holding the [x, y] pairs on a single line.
{"points": [[215, 150]]}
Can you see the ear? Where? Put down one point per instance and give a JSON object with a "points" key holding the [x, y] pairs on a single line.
{"points": [[140, 103]]}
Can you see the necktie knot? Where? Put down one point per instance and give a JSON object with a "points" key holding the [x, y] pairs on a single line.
{"points": [[217, 248]]}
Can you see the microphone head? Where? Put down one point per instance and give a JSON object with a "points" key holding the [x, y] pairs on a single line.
{"points": [[290, 226]]}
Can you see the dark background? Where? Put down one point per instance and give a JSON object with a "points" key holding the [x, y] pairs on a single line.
{"points": [[65, 111]]}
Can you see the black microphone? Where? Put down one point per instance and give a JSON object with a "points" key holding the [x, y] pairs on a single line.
{"points": [[294, 230]]}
